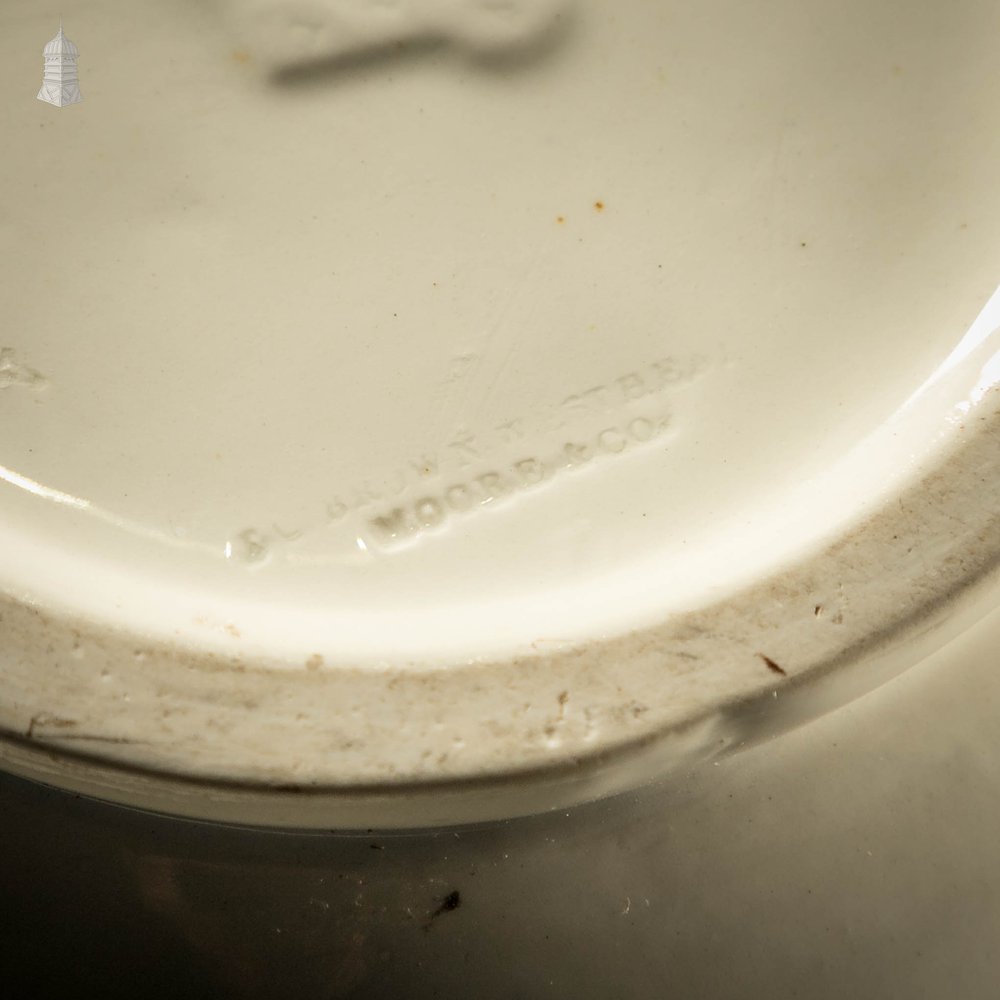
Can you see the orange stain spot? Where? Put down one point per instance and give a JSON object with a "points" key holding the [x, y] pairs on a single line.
{"points": [[241, 57], [599, 206]]}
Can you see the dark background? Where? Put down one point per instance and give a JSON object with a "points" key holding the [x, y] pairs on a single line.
{"points": [[856, 856]]}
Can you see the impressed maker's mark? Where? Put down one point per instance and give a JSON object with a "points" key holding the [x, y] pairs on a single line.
{"points": [[475, 472], [544, 432], [494, 485]]}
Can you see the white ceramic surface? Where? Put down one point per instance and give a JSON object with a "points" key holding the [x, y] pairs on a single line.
{"points": [[413, 395]]}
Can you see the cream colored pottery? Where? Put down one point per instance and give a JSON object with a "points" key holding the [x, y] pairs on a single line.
{"points": [[417, 412]]}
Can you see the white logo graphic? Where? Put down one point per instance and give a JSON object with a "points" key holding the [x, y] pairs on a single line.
{"points": [[60, 85]]}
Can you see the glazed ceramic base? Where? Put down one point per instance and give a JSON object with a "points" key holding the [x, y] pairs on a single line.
{"points": [[407, 394]]}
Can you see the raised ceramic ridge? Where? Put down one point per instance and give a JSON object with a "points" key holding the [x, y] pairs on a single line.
{"points": [[217, 731]]}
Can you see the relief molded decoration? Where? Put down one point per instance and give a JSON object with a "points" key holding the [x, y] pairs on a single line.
{"points": [[286, 32], [15, 373]]}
